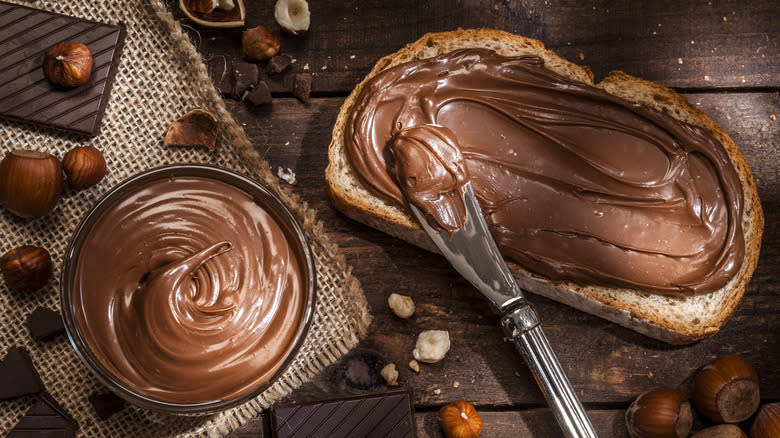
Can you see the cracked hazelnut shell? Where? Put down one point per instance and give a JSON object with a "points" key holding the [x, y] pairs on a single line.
{"points": [[68, 64], [221, 13], [30, 182], [196, 128], [259, 44], [26, 267], [84, 167]]}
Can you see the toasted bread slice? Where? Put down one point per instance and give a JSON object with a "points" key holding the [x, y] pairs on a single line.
{"points": [[676, 320]]}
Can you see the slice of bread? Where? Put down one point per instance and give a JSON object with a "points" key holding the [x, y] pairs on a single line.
{"points": [[676, 320]]}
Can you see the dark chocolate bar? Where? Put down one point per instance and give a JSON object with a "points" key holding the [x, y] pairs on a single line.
{"points": [[18, 376], [46, 418], [45, 324], [25, 93], [389, 415]]}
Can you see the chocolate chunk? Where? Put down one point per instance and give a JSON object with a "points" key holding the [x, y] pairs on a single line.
{"points": [[278, 63], [45, 324], [260, 95], [27, 96], [46, 418], [388, 414], [244, 77], [302, 86], [106, 404], [17, 375]]}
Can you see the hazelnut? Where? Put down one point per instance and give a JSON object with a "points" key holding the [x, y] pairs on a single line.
{"points": [[68, 64], [84, 167], [401, 305], [390, 374], [720, 431], [459, 419], [432, 346], [26, 267], [259, 44], [292, 15], [659, 413], [767, 422], [30, 182], [726, 390], [196, 128]]}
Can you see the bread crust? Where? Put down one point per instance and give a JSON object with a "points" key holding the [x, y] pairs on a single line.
{"points": [[675, 320]]}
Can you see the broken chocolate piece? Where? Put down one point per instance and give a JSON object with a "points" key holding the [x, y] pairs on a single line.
{"points": [[278, 63], [260, 95], [26, 96], [46, 418], [302, 86], [106, 404], [388, 414], [245, 75], [18, 376], [45, 324]]}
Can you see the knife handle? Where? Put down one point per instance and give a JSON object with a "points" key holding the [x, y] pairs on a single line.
{"points": [[521, 324]]}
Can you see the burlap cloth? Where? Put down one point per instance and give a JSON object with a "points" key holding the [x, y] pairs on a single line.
{"points": [[161, 76]]}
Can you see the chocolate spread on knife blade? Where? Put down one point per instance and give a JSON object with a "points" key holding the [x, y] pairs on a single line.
{"points": [[189, 290], [576, 184]]}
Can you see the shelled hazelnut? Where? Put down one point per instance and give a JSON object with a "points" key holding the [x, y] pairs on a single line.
{"points": [[292, 15], [26, 267], [459, 419], [68, 64], [259, 44], [84, 167]]}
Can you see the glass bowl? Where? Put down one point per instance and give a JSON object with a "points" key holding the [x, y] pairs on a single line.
{"points": [[92, 350]]}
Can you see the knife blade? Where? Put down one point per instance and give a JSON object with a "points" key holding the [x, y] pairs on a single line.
{"points": [[472, 251]]}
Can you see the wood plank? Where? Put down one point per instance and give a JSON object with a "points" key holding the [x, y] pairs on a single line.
{"points": [[721, 43], [531, 423], [605, 362]]}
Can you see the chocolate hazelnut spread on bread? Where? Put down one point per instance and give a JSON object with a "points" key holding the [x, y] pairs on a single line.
{"points": [[576, 184], [189, 290]]}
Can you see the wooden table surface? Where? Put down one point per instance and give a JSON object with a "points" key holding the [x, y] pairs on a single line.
{"points": [[723, 55]]}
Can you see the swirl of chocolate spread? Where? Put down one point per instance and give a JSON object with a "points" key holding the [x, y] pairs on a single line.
{"points": [[575, 184], [189, 290]]}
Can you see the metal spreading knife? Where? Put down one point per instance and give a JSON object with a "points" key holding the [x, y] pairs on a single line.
{"points": [[474, 254]]}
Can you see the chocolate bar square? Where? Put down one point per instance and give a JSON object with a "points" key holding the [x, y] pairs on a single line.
{"points": [[389, 414], [25, 93]]}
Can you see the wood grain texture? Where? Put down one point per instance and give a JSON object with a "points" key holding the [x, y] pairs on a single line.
{"points": [[720, 43], [722, 54]]}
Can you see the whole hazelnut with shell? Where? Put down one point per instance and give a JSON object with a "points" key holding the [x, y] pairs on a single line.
{"points": [[30, 182], [459, 419], [726, 390], [68, 64], [259, 44], [659, 412]]}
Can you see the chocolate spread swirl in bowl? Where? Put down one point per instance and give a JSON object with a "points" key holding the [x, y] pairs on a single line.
{"points": [[188, 289]]}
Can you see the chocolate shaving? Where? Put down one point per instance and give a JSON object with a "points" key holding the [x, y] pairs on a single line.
{"points": [[196, 128]]}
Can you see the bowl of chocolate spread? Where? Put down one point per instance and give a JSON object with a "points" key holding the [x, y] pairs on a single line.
{"points": [[188, 289]]}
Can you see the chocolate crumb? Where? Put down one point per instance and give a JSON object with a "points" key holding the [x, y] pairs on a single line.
{"points": [[45, 324], [106, 404], [260, 95], [46, 418], [278, 63], [18, 376], [302, 86]]}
